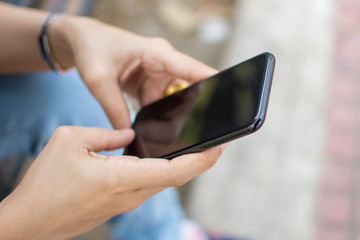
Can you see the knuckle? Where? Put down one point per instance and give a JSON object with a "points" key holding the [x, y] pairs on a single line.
{"points": [[161, 42], [64, 132], [95, 77]]}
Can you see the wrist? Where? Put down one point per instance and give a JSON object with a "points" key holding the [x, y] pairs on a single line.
{"points": [[6, 226], [60, 38], [10, 226], [67, 36]]}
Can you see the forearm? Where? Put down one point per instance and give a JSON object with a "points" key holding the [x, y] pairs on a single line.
{"points": [[19, 45]]}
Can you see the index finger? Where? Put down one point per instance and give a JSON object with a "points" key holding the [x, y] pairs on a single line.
{"points": [[178, 64], [111, 98], [186, 67]]}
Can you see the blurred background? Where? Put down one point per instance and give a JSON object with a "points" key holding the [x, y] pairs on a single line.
{"points": [[297, 178]]}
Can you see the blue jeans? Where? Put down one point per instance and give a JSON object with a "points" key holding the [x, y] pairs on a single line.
{"points": [[33, 105]]}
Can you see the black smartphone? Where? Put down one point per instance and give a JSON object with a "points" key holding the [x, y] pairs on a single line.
{"points": [[221, 108]]}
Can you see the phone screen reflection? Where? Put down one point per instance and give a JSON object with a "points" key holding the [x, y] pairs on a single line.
{"points": [[222, 104]]}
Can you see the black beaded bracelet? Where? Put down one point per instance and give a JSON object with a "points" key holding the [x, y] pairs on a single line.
{"points": [[44, 43]]}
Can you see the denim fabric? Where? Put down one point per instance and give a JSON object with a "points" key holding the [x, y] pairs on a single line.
{"points": [[34, 105], [159, 218]]}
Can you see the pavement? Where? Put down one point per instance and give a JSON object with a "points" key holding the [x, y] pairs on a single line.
{"points": [[271, 185], [298, 177]]}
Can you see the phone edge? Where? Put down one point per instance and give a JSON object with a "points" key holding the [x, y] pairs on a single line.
{"points": [[265, 95], [253, 127], [214, 143]]}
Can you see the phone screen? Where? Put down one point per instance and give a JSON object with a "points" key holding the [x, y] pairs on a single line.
{"points": [[208, 110]]}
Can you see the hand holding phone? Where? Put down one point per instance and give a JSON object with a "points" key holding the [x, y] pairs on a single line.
{"points": [[219, 109]]}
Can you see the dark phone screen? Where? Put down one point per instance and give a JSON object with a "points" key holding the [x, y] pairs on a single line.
{"points": [[222, 104]]}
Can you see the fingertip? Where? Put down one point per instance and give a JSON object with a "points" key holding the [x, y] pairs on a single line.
{"points": [[188, 68], [101, 139], [217, 151], [200, 160], [208, 71], [125, 136], [127, 131], [214, 154], [224, 146]]}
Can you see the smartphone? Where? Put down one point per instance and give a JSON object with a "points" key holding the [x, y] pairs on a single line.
{"points": [[219, 109]]}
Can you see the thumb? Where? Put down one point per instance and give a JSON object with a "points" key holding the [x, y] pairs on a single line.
{"points": [[101, 139]]}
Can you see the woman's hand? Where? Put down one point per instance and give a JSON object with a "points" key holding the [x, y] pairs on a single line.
{"points": [[69, 189], [112, 61]]}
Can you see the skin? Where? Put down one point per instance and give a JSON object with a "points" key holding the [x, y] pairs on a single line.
{"points": [[69, 189]]}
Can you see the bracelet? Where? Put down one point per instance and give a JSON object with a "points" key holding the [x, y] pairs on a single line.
{"points": [[44, 43]]}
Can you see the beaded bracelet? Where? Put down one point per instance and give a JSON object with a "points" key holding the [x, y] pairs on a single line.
{"points": [[44, 43]]}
